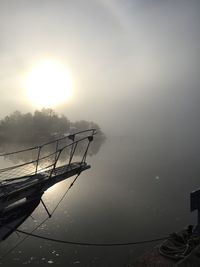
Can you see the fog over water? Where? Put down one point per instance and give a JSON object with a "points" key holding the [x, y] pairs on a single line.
{"points": [[134, 191], [135, 66]]}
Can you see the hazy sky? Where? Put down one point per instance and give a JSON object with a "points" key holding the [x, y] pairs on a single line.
{"points": [[135, 63]]}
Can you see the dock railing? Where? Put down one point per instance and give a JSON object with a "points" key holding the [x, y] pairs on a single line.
{"points": [[47, 156]]}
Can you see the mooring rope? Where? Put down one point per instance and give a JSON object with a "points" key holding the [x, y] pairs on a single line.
{"points": [[90, 243], [178, 245]]}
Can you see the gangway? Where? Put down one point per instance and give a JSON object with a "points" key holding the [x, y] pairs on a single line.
{"points": [[51, 163]]}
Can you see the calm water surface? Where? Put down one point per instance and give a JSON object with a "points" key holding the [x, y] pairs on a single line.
{"points": [[135, 190]]}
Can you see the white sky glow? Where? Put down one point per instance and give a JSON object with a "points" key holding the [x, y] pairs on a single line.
{"points": [[127, 57]]}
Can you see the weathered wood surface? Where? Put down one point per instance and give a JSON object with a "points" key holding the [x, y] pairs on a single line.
{"points": [[192, 260], [153, 258]]}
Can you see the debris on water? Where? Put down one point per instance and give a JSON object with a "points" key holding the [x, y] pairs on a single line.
{"points": [[57, 254], [76, 262], [50, 261], [43, 259], [157, 177], [42, 227]]}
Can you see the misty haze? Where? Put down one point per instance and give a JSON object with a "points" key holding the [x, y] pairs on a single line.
{"points": [[129, 70]]}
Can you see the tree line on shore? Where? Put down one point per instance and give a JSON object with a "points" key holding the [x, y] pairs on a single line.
{"points": [[41, 126]]}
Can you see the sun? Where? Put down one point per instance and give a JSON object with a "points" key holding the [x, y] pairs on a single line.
{"points": [[48, 84]]}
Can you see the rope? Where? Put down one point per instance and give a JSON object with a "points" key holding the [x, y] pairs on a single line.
{"points": [[64, 195], [91, 244], [179, 245]]}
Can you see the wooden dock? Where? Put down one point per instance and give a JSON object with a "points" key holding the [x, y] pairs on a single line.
{"points": [[153, 258]]}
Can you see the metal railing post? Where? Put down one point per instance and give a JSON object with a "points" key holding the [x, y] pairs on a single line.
{"points": [[90, 139], [38, 158], [72, 152], [56, 160], [57, 141]]}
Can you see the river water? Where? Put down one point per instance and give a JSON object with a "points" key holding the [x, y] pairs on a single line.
{"points": [[136, 189]]}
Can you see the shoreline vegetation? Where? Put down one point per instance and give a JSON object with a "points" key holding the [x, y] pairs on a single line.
{"points": [[41, 126]]}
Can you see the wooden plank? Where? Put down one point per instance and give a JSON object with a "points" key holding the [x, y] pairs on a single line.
{"points": [[153, 258], [192, 260]]}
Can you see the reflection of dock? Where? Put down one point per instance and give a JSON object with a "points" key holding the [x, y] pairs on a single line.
{"points": [[22, 185]]}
